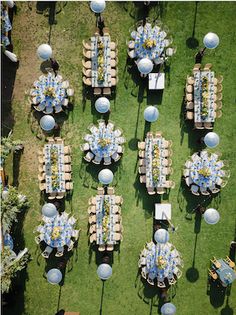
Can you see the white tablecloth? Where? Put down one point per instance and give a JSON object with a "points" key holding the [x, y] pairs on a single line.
{"points": [[198, 76], [162, 211], [107, 61], [105, 237], [149, 146], [59, 180], [156, 81]]}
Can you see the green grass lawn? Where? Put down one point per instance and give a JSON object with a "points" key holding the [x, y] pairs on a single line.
{"points": [[124, 293]]}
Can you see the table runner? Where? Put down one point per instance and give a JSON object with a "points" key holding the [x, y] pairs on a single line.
{"points": [[105, 238], [56, 182], [149, 145], [105, 59], [206, 114]]}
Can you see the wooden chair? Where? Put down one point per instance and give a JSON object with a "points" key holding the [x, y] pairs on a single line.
{"points": [[170, 184], [87, 54], [86, 45], [220, 79], [142, 179], [197, 67], [230, 262], [161, 190], [101, 248], [97, 91], [113, 63], [158, 134], [86, 64], [189, 88], [190, 80], [60, 195], [113, 73], [208, 125], [92, 201], [59, 140], [194, 190], [93, 238], [67, 159], [96, 31], [189, 106], [67, 177], [52, 196], [141, 154], [91, 210], [114, 81], [151, 191], [41, 177], [106, 31], [189, 115], [189, 97], [118, 200], [92, 219], [216, 263], [198, 125], [218, 114], [69, 186], [110, 190], [207, 66], [87, 72], [141, 145], [106, 91], [67, 150], [142, 162], [212, 274], [89, 156], [110, 247], [142, 170], [219, 96], [113, 45], [100, 191], [87, 81]]}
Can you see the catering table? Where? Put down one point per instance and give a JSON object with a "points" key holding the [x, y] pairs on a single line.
{"points": [[104, 134], [103, 61], [226, 274], [6, 27], [156, 81], [202, 78], [149, 147], [54, 168], [105, 222], [49, 93], [148, 33], [162, 211], [57, 231]]}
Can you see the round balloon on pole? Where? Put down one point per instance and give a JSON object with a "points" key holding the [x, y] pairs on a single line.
{"points": [[145, 66], [47, 122], [161, 236], [211, 40], [104, 271], [49, 210], [211, 216], [44, 51], [211, 139], [168, 309], [102, 105], [151, 113], [98, 6], [54, 276], [105, 176]]}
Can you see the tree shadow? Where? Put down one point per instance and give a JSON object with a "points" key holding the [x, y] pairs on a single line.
{"points": [[192, 273], [217, 293], [16, 167], [192, 42], [8, 75]]}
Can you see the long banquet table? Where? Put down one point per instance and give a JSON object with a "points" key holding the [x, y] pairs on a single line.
{"points": [[105, 63], [54, 174], [198, 96], [149, 146], [102, 236]]}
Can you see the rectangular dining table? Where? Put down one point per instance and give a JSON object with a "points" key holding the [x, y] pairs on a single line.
{"points": [[156, 81], [99, 219], [197, 96], [149, 144], [105, 40], [162, 211], [48, 168]]}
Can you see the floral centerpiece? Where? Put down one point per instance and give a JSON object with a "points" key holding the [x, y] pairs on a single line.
{"points": [[106, 219], [50, 92], [155, 163], [103, 142], [205, 172], [54, 168], [56, 232], [100, 61], [204, 97], [160, 262], [149, 43]]}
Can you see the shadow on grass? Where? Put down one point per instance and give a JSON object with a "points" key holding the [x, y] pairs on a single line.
{"points": [[15, 299], [8, 74], [192, 42]]}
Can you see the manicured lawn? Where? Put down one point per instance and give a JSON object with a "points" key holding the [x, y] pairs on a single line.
{"points": [[124, 293]]}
